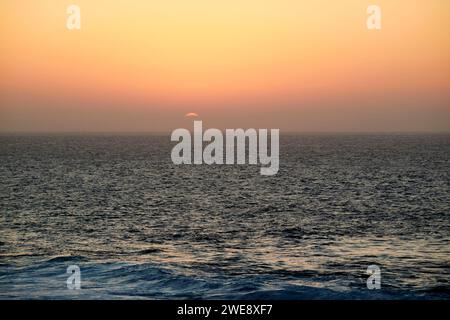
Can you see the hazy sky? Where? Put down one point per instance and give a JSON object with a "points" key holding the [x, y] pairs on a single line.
{"points": [[139, 65]]}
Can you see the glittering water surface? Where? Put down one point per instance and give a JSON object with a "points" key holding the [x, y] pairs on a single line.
{"points": [[140, 227]]}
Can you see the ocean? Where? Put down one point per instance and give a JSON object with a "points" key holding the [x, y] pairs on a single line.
{"points": [[140, 227]]}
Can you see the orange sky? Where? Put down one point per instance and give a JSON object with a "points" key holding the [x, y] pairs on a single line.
{"points": [[296, 65]]}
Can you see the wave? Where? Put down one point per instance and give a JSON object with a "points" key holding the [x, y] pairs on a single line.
{"points": [[114, 280]]}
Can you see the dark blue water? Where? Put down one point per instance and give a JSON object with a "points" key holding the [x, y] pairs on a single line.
{"points": [[140, 227]]}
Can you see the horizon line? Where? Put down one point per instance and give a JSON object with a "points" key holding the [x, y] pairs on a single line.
{"points": [[169, 132]]}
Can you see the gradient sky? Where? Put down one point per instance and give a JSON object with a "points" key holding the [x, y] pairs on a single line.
{"points": [[139, 65]]}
